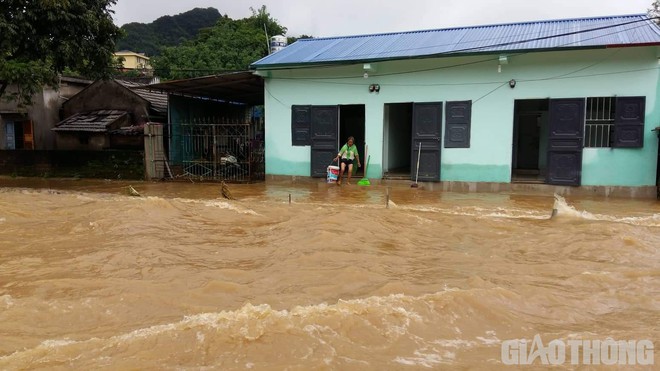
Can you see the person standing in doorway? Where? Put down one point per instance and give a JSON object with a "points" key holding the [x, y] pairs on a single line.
{"points": [[348, 153]]}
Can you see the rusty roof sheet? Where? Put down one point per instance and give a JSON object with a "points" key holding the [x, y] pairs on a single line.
{"points": [[237, 87]]}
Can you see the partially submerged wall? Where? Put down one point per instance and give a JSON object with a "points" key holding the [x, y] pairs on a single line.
{"points": [[75, 164]]}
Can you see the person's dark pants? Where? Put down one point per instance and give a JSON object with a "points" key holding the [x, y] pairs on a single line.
{"points": [[345, 163]]}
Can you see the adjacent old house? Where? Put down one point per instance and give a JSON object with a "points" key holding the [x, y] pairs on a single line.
{"points": [[109, 114], [563, 102], [29, 128]]}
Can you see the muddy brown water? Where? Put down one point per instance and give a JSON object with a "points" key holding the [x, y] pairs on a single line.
{"points": [[92, 278]]}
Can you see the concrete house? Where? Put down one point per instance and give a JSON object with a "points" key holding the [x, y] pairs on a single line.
{"points": [[29, 128], [563, 102]]}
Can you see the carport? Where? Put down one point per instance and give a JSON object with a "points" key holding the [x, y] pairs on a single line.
{"points": [[215, 128]]}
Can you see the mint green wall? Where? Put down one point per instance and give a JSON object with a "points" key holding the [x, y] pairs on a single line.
{"points": [[567, 74]]}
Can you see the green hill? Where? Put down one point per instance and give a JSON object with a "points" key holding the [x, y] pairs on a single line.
{"points": [[166, 31]]}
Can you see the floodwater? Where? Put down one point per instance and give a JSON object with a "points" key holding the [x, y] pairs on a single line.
{"points": [[92, 278]]}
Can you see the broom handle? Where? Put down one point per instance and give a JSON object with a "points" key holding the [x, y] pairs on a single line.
{"points": [[419, 153]]}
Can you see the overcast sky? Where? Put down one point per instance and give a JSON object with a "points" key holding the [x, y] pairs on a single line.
{"points": [[321, 18]]}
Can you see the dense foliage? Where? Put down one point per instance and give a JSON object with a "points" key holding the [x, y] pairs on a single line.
{"points": [[41, 38], [166, 31], [230, 45], [654, 11]]}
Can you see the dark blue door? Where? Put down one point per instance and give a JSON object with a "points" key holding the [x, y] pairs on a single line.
{"points": [[565, 141], [325, 137], [427, 133], [11, 138]]}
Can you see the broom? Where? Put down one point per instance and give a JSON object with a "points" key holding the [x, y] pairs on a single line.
{"points": [[419, 153], [364, 181]]}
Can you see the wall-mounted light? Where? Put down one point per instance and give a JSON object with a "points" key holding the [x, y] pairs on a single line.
{"points": [[512, 83], [374, 88]]}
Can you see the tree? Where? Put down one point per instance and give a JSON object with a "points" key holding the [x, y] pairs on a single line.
{"points": [[228, 46], [166, 31], [654, 11], [290, 40], [39, 39]]}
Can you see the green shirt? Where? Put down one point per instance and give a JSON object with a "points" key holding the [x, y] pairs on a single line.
{"points": [[348, 152]]}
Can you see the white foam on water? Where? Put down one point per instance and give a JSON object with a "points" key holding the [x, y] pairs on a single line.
{"points": [[220, 204], [428, 360], [455, 343], [479, 212], [251, 322], [229, 206], [7, 300], [420, 219], [46, 345], [57, 343], [489, 341], [563, 209]]}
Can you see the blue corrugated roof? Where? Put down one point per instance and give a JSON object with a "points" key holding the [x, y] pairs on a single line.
{"points": [[597, 32]]}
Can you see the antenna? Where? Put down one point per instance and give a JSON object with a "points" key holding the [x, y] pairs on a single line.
{"points": [[267, 39]]}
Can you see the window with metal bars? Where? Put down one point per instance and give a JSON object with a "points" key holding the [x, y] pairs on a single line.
{"points": [[599, 122]]}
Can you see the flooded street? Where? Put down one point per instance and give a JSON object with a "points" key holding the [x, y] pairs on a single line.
{"points": [[92, 278]]}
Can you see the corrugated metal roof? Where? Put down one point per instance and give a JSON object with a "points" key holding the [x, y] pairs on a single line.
{"points": [[241, 87], [628, 30]]}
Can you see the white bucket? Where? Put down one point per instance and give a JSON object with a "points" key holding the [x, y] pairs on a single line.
{"points": [[333, 173]]}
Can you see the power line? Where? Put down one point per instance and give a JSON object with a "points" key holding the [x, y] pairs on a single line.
{"points": [[563, 76], [645, 20]]}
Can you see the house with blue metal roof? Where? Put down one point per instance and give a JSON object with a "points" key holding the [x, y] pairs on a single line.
{"points": [[568, 102]]}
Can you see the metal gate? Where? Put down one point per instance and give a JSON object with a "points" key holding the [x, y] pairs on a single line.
{"points": [[222, 149], [154, 151]]}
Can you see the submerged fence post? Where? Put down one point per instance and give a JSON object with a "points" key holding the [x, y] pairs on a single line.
{"points": [[289, 198], [387, 197]]}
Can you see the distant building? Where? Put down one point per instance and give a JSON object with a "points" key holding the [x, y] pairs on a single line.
{"points": [[134, 61]]}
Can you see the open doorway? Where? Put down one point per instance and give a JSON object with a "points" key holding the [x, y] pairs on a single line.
{"points": [[530, 141], [18, 132], [351, 123], [397, 139]]}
